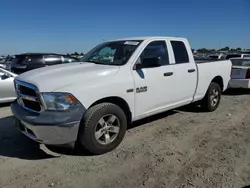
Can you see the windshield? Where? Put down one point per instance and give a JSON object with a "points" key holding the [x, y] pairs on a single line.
{"points": [[241, 62], [112, 53]]}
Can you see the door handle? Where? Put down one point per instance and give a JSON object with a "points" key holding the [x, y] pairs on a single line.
{"points": [[191, 70], [168, 73]]}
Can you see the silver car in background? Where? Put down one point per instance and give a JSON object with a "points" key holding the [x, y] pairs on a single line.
{"points": [[240, 75], [7, 91]]}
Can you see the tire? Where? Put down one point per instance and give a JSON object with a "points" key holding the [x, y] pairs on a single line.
{"points": [[90, 125], [208, 103]]}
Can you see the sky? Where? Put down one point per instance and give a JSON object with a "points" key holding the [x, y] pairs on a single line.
{"points": [[65, 26]]}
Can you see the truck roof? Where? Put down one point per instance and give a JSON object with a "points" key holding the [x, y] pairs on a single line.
{"points": [[149, 37]]}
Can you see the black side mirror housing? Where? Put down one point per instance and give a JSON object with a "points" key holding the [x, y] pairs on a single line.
{"points": [[149, 63]]}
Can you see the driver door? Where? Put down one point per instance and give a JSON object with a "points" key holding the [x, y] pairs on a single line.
{"points": [[6, 87], [154, 84]]}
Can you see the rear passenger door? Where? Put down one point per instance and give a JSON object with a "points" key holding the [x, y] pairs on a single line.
{"points": [[52, 60], [185, 72]]}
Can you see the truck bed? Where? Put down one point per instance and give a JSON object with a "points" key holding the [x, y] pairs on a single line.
{"points": [[208, 70]]}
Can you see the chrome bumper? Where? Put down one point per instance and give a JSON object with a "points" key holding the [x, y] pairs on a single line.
{"points": [[51, 128]]}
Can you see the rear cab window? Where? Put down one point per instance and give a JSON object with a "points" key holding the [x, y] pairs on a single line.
{"points": [[180, 52]]}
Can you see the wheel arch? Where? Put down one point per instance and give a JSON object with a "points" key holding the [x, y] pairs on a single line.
{"points": [[119, 102], [219, 80]]}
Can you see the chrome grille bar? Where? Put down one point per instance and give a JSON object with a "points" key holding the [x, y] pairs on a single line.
{"points": [[22, 98]]}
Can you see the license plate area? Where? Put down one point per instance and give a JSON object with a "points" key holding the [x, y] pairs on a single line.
{"points": [[235, 72], [238, 73]]}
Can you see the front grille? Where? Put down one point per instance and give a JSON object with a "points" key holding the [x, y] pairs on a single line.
{"points": [[32, 105], [27, 91], [28, 96]]}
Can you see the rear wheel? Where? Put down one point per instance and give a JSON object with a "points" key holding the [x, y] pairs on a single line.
{"points": [[103, 128], [212, 98]]}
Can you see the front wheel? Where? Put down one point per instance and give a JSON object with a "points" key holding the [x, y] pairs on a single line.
{"points": [[103, 127], [212, 98]]}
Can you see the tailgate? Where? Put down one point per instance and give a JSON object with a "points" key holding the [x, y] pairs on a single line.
{"points": [[239, 72]]}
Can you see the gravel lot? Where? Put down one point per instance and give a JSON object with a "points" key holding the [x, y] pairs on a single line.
{"points": [[180, 148]]}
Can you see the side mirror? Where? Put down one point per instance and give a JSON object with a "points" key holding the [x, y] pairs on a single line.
{"points": [[149, 63], [5, 76]]}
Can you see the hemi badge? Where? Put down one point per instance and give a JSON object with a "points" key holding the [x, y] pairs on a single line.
{"points": [[130, 90]]}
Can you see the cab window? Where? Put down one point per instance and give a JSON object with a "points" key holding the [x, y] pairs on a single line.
{"points": [[155, 50], [180, 52]]}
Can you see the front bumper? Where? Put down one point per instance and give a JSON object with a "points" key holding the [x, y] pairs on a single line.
{"points": [[51, 128]]}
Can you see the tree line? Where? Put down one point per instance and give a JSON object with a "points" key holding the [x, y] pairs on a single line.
{"points": [[76, 53]]}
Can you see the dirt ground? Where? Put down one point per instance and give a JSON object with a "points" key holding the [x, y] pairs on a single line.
{"points": [[180, 148]]}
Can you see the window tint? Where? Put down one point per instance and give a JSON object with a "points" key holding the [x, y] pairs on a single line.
{"points": [[180, 52], [52, 59], [156, 49]]}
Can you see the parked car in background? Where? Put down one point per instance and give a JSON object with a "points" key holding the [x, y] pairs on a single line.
{"points": [[240, 75], [229, 56], [8, 62], [29, 61], [213, 57], [245, 55], [2, 58], [116, 83], [2, 65], [7, 90]]}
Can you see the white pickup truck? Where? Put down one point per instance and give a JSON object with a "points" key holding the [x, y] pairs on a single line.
{"points": [[117, 82]]}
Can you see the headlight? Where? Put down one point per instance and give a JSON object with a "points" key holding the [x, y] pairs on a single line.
{"points": [[59, 101]]}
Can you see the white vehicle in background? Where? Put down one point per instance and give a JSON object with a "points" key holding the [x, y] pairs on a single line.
{"points": [[8, 62], [245, 55], [240, 75], [7, 90], [93, 101], [2, 66]]}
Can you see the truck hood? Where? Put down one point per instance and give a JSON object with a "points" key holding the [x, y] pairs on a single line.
{"points": [[50, 78]]}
